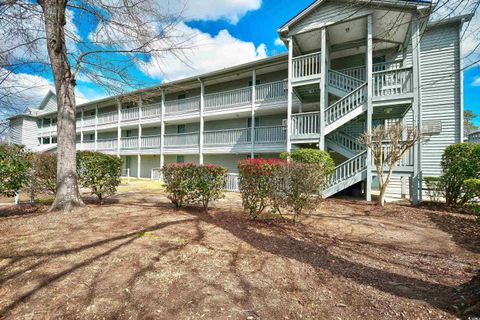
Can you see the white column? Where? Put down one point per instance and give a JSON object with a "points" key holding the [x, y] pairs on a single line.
{"points": [[139, 142], [96, 123], [323, 88], [119, 128], [162, 131], [202, 123], [289, 98], [417, 111], [369, 65], [81, 130], [252, 130]]}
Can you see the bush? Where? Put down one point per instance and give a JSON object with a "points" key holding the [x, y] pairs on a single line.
{"points": [[460, 162], [43, 174], [312, 156], [189, 183], [99, 172], [434, 188], [14, 169], [295, 186], [472, 186], [255, 183]]}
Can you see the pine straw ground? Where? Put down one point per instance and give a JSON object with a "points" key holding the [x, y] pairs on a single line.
{"points": [[138, 257]]}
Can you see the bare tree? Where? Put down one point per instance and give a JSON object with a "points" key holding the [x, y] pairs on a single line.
{"points": [[42, 37], [388, 145]]}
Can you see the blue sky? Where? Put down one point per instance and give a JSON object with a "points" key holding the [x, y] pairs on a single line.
{"points": [[232, 32]]}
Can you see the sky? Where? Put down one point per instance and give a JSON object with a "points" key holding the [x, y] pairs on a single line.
{"points": [[226, 32]]}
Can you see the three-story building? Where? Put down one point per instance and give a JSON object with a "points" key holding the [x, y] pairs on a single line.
{"points": [[351, 65]]}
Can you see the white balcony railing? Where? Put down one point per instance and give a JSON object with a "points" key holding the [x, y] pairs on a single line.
{"points": [[306, 124], [306, 66], [130, 114], [182, 105], [88, 121], [152, 110], [88, 145], [108, 117], [272, 91], [270, 134], [342, 81], [229, 136], [231, 98], [392, 82], [150, 141], [182, 139], [129, 142], [406, 160], [231, 182], [107, 144]]}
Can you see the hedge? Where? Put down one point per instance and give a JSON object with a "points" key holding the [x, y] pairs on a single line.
{"points": [[189, 183]]}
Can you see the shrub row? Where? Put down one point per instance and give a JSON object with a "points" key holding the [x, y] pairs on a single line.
{"points": [[189, 183], [282, 185], [36, 173]]}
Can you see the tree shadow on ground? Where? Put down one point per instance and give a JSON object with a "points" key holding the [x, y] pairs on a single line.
{"points": [[465, 230], [315, 252], [46, 257]]}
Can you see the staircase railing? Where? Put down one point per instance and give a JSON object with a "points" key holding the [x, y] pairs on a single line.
{"points": [[360, 71], [348, 169], [346, 141], [343, 81], [346, 105]]}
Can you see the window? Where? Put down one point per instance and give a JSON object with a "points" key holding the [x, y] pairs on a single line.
{"points": [[181, 128], [249, 122], [46, 140], [54, 120], [180, 159], [46, 121], [128, 133], [257, 82], [182, 96], [54, 139], [91, 137]]}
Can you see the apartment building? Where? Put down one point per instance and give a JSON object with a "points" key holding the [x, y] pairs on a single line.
{"points": [[351, 65]]}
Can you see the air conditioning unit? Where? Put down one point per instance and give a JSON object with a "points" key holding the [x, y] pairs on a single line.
{"points": [[431, 127]]}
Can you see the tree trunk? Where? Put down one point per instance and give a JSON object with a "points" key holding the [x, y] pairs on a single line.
{"points": [[68, 195], [381, 198]]}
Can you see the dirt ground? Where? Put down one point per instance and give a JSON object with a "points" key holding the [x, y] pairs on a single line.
{"points": [[139, 258]]}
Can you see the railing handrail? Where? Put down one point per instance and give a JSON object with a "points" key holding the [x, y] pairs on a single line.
{"points": [[224, 130], [107, 139], [129, 109], [375, 64], [176, 101], [107, 113], [392, 70], [270, 83], [346, 76], [127, 138], [307, 55], [151, 136], [346, 97], [227, 91], [363, 153], [305, 113], [181, 134]]}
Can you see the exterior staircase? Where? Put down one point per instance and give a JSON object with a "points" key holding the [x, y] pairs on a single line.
{"points": [[352, 103]]}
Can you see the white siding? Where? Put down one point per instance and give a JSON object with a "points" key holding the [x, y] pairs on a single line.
{"points": [[15, 131], [440, 97], [30, 131]]}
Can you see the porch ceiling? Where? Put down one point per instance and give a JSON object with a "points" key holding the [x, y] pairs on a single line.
{"points": [[390, 29]]}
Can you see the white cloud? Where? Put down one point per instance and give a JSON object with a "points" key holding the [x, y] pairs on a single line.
{"points": [[279, 42], [208, 53], [229, 10], [476, 82]]}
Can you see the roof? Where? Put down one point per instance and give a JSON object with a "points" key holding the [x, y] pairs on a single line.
{"points": [[414, 4]]}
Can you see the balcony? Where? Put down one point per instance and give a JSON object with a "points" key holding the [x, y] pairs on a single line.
{"points": [[182, 139], [107, 144], [306, 67], [182, 105], [107, 118], [268, 134]]}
